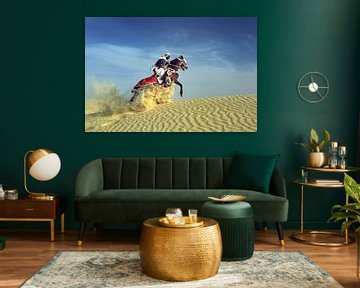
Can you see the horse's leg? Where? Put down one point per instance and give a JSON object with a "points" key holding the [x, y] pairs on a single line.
{"points": [[132, 97], [181, 87]]}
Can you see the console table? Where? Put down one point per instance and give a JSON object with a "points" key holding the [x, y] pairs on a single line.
{"points": [[297, 235], [27, 209]]}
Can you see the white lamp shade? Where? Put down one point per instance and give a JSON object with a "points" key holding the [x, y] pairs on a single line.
{"points": [[46, 168]]}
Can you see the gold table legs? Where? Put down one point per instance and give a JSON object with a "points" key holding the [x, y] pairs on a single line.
{"points": [[297, 235], [52, 230], [52, 227], [52, 223]]}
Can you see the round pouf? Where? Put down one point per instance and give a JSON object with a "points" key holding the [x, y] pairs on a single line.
{"points": [[236, 221]]}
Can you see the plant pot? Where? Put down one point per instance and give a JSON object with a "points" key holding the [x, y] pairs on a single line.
{"points": [[317, 159]]}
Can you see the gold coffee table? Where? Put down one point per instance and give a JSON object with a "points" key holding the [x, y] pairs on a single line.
{"points": [[180, 254]]}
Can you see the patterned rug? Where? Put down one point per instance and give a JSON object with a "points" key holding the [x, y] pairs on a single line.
{"points": [[122, 269]]}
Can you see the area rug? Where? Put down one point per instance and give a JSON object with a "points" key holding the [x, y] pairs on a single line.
{"points": [[80, 269]]}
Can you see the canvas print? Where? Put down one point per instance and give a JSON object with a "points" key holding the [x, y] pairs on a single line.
{"points": [[170, 74]]}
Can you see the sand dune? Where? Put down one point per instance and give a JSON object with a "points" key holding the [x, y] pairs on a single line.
{"points": [[236, 113]]}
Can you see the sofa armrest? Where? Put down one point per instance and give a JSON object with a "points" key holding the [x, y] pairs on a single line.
{"points": [[277, 184], [89, 179]]}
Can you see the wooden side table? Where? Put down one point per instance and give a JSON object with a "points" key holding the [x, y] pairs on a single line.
{"points": [[26, 209]]}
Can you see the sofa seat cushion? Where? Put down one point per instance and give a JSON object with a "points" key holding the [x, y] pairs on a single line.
{"points": [[266, 207], [166, 195]]}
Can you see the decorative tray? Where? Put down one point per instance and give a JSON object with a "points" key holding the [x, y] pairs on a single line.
{"points": [[165, 222], [228, 198]]}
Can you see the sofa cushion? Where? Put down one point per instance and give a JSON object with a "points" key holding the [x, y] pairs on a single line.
{"points": [[266, 207], [251, 172]]}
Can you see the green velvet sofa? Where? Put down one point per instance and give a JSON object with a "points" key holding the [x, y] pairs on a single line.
{"points": [[131, 190]]}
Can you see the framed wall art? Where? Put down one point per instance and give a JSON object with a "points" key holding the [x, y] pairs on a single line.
{"points": [[170, 74]]}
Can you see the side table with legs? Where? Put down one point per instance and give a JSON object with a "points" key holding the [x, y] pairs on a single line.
{"points": [[27, 209], [297, 236]]}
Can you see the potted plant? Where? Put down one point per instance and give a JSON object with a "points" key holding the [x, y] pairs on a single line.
{"points": [[317, 157], [350, 213]]}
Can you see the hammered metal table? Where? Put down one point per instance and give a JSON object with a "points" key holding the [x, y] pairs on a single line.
{"points": [[180, 254]]}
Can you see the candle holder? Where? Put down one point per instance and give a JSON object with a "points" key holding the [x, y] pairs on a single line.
{"points": [[342, 153], [333, 162]]}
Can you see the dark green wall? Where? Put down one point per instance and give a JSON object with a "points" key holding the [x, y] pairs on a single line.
{"points": [[42, 88]]}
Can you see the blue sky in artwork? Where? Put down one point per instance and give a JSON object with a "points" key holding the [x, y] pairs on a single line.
{"points": [[221, 52]]}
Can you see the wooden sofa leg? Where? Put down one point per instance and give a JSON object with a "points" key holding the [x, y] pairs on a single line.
{"points": [[280, 233], [265, 227], [81, 233]]}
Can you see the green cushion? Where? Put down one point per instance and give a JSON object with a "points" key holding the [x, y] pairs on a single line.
{"points": [[140, 204], [251, 172], [172, 195], [218, 210]]}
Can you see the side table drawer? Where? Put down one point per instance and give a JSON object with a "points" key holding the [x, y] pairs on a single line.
{"points": [[31, 209], [27, 209]]}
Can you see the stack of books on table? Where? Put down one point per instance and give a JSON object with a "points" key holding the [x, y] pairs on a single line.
{"points": [[327, 181]]}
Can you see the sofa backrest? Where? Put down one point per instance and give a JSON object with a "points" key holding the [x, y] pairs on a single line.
{"points": [[165, 173]]}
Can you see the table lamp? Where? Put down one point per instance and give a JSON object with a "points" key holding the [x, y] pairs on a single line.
{"points": [[43, 165]]}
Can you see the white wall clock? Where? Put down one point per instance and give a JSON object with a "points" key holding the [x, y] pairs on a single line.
{"points": [[313, 87]]}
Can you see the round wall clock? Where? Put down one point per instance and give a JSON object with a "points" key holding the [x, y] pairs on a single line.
{"points": [[313, 87]]}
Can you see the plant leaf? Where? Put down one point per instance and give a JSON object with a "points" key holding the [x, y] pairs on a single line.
{"points": [[321, 146], [352, 188], [312, 144], [350, 213], [337, 216], [326, 136], [306, 146], [314, 136], [346, 225], [352, 207]]}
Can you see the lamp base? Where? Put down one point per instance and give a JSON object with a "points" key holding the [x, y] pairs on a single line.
{"points": [[41, 196]]}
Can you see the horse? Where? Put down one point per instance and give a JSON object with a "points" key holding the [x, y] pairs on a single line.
{"points": [[170, 76]]}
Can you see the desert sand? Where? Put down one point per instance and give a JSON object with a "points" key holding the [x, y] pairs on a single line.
{"points": [[237, 113]]}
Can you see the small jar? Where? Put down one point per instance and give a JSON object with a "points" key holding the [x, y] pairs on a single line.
{"points": [[2, 192], [11, 194], [304, 176]]}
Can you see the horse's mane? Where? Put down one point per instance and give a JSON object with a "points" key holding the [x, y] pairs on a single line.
{"points": [[175, 63]]}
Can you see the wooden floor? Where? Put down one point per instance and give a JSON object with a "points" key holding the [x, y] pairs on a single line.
{"points": [[28, 250]]}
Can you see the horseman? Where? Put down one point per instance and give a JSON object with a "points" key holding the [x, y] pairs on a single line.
{"points": [[165, 74], [160, 68]]}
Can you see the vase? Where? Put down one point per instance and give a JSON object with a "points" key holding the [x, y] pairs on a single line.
{"points": [[317, 159]]}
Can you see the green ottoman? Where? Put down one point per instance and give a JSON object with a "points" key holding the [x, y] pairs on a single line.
{"points": [[236, 221]]}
